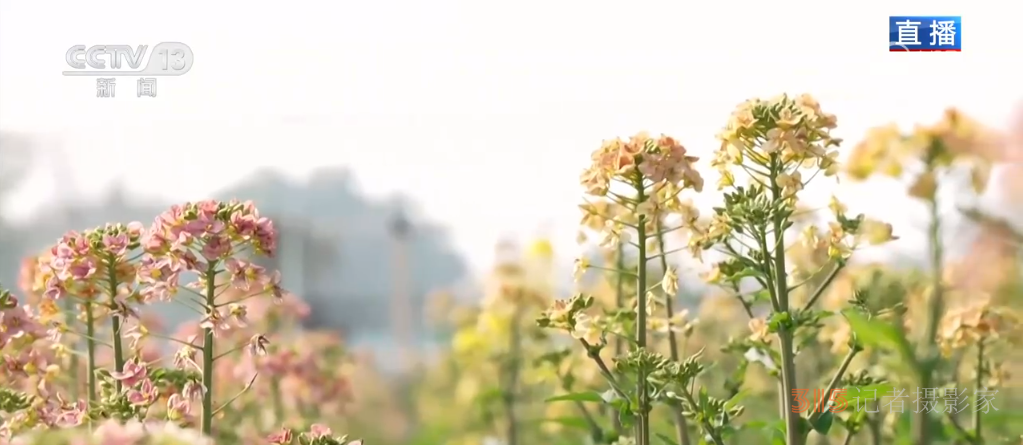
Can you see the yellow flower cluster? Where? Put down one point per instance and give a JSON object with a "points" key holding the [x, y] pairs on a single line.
{"points": [[968, 325], [794, 129], [881, 151], [955, 139]]}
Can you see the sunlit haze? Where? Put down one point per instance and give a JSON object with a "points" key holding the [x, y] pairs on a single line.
{"points": [[482, 112]]}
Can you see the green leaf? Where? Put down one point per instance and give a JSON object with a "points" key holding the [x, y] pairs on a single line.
{"points": [[762, 296], [745, 273], [867, 392], [804, 426], [734, 401], [626, 417], [666, 439], [823, 423], [587, 396], [570, 422], [1004, 417], [881, 335], [756, 425], [489, 396]]}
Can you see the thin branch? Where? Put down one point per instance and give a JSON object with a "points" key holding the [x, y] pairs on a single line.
{"points": [[232, 350], [166, 337], [594, 426], [236, 396], [959, 428], [605, 371], [819, 409], [824, 286], [94, 339], [239, 300], [664, 254], [608, 269]]}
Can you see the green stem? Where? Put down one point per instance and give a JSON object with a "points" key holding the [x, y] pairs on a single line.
{"points": [[90, 347], [876, 435], [604, 370], [115, 319], [278, 401], [207, 353], [874, 420], [681, 425], [922, 425], [275, 382], [978, 386], [619, 303], [643, 426], [824, 286], [793, 435]]}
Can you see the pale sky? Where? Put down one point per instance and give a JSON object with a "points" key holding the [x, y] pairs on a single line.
{"points": [[482, 111]]}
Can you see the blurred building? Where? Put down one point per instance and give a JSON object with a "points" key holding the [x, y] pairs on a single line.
{"points": [[335, 243]]}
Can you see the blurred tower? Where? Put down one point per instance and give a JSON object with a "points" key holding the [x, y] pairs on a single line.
{"points": [[401, 321], [401, 299]]}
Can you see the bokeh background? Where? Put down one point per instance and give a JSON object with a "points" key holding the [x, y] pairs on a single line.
{"points": [[397, 142]]}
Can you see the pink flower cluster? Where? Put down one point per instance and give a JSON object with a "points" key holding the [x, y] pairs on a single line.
{"points": [[87, 264], [318, 434], [661, 160], [17, 322], [214, 228], [198, 237], [112, 272], [112, 432]]}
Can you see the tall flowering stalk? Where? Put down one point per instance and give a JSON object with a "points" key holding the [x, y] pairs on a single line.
{"points": [[208, 238], [642, 175], [771, 142], [674, 321], [984, 328], [97, 266], [770, 150], [927, 155]]}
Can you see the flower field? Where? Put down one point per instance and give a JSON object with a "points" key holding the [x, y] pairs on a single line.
{"points": [[793, 339]]}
